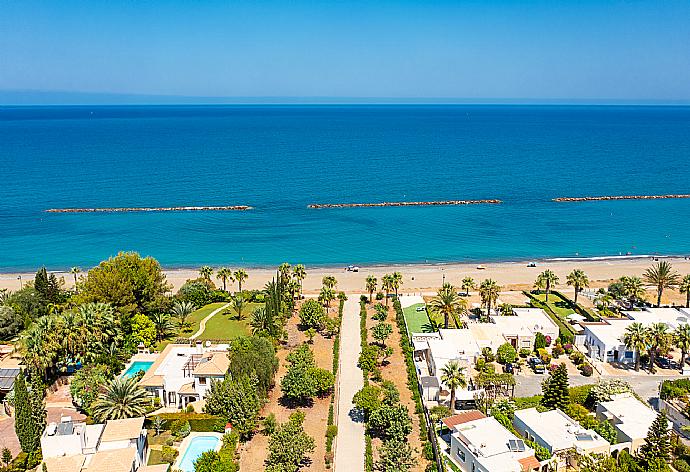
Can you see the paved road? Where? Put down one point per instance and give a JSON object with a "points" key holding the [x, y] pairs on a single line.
{"points": [[349, 446]]}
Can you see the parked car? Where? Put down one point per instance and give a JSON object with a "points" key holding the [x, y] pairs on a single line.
{"points": [[537, 365], [508, 368], [665, 363]]}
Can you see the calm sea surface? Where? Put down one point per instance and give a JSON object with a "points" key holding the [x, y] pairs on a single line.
{"points": [[279, 159]]}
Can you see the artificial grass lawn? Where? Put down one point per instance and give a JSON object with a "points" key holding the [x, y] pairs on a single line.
{"points": [[225, 324], [417, 321]]}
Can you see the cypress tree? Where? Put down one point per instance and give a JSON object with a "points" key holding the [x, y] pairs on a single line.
{"points": [[41, 283], [23, 421], [657, 448], [555, 389]]}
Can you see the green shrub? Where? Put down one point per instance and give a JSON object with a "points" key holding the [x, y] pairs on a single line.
{"points": [[681, 465], [169, 454], [580, 394], [557, 351], [488, 354], [586, 369], [525, 352], [522, 403], [506, 353], [577, 357]]}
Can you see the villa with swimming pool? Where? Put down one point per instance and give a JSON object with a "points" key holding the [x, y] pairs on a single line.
{"points": [[182, 373]]}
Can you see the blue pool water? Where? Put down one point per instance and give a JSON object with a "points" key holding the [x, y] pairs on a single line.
{"points": [[279, 159], [195, 448], [135, 367]]}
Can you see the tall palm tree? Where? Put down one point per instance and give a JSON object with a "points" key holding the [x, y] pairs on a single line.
{"points": [[329, 281], [122, 398], [264, 324], [206, 272], [545, 281], [240, 276], [238, 305], [299, 273], [662, 276], [489, 291], [387, 285], [224, 274], [468, 284], [453, 377], [181, 310], [162, 323], [327, 295], [659, 339], [371, 284], [285, 269], [579, 280], [447, 302], [681, 338], [635, 337], [75, 271], [397, 279], [684, 287], [634, 289]]}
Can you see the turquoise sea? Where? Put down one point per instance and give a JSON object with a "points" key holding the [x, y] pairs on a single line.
{"points": [[279, 159]]}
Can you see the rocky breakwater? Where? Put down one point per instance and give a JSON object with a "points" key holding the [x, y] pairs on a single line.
{"points": [[134, 209], [402, 204], [620, 197]]}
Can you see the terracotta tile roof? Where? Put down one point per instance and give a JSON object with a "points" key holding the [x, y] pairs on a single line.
{"points": [[529, 463], [218, 364], [65, 464], [155, 468], [116, 460], [187, 389], [118, 430], [464, 417]]}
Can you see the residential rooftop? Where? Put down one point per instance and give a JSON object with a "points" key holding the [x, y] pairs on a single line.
{"points": [[629, 415], [120, 430], [559, 431]]}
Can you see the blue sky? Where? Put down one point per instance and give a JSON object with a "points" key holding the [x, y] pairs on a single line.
{"points": [[402, 50]]}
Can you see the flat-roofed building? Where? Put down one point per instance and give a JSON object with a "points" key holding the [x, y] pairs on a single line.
{"points": [[630, 417]]}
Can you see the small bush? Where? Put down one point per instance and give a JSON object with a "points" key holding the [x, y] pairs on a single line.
{"points": [[580, 394], [524, 352], [568, 348], [488, 354], [577, 357], [557, 351], [379, 295], [544, 355], [169, 454], [506, 353], [586, 370], [270, 424]]}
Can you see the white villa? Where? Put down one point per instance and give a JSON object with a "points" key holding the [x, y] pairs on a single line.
{"points": [[116, 446], [183, 373], [557, 432], [630, 417]]}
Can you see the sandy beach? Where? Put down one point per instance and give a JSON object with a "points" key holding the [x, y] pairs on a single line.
{"points": [[426, 277]]}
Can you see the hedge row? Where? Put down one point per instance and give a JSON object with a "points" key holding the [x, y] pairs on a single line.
{"points": [[199, 422], [363, 341], [567, 333], [331, 429]]}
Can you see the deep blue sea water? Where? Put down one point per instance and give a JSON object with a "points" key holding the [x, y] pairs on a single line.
{"points": [[279, 159]]}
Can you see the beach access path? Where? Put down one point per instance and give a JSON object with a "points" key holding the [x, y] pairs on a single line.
{"points": [[202, 324], [349, 445]]}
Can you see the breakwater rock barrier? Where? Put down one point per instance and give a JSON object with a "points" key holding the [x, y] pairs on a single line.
{"points": [[134, 209], [402, 204], [620, 197]]}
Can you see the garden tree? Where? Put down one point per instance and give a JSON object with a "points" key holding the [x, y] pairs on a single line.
{"points": [[605, 389], [539, 341], [162, 324], [468, 284], [607, 431], [506, 309], [381, 312], [659, 339], [158, 424], [197, 292], [47, 285], [128, 282], [387, 285], [331, 327], [684, 287], [181, 310], [235, 400], [438, 412], [390, 422], [391, 395], [633, 289], [310, 333], [555, 389], [368, 358], [312, 314], [6, 456], [264, 324], [603, 301], [488, 354], [489, 290], [447, 302], [289, 445], [299, 273], [303, 379], [657, 447], [662, 276], [329, 281], [381, 332], [254, 357], [370, 286], [395, 455], [143, 330], [578, 280], [452, 376], [29, 413], [368, 399], [506, 353], [240, 276], [681, 339], [28, 303], [635, 337], [285, 269], [86, 383], [326, 296], [206, 272], [10, 322], [122, 398], [598, 463], [225, 274], [397, 281], [75, 271], [545, 281], [237, 302]]}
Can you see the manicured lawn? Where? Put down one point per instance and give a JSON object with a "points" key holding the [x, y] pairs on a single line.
{"points": [[417, 321], [559, 306], [198, 315], [155, 457], [225, 325]]}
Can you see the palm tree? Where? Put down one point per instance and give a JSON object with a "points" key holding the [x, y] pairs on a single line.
{"points": [[285, 269], [238, 304], [387, 285], [681, 338], [489, 290], [635, 337], [181, 310], [299, 273], [634, 289], [329, 281], [506, 309], [122, 398], [684, 287], [75, 271], [371, 287], [662, 276], [468, 284], [240, 276], [453, 377], [326, 295], [545, 281], [162, 323], [447, 302], [659, 340], [206, 272], [263, 323], [397, 279], [224, 274], [579, 280]]}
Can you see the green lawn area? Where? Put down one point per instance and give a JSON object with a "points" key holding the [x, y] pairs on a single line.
{"points": [[559, 306], [155, 457], [195, 319], [417, 321], [225, 325]]}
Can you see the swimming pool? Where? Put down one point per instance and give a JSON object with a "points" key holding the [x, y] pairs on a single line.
{"points": [[197, 445], [137, 366]]}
